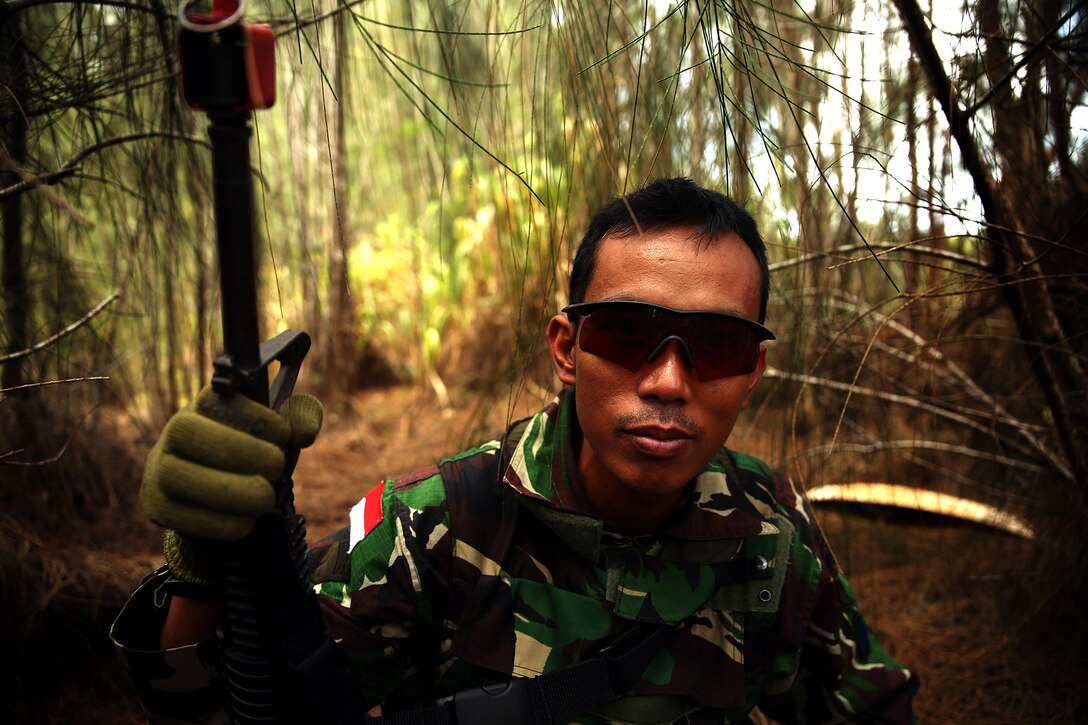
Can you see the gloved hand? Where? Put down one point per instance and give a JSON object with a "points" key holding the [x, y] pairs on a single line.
{"points": [[209, 477]]}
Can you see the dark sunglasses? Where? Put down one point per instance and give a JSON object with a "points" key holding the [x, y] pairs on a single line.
{"points": [[632, 333]]}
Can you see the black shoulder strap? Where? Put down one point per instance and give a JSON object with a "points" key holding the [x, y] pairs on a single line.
{"points": [[551, 698]]}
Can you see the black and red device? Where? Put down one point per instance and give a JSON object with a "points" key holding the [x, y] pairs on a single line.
{"points": [[227, 63], [280, 665]]}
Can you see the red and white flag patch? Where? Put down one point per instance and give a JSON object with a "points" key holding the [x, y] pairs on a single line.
{"points": [[366, 514]]}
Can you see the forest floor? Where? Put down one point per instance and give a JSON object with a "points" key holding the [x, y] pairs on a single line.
{"points": [[953, 603]]}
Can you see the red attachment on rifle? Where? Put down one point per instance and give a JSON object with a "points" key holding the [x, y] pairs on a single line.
{"points": [[227, 64]]}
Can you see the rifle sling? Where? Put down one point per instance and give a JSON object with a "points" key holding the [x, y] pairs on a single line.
{"points": [[553, 697]]}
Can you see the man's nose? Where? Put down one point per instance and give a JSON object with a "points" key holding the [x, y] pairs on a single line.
{"points": [[668, 372]]}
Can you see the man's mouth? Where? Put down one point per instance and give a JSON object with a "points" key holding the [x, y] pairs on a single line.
{"points": [[659, 441]]}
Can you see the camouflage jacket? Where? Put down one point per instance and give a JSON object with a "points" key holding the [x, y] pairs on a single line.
{"points": [[454, 577]]}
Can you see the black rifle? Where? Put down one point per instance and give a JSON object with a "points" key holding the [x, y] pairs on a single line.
{"points": [[280, 664]]}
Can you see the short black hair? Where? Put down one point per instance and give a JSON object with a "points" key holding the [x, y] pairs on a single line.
{"points": [[675, 202]]}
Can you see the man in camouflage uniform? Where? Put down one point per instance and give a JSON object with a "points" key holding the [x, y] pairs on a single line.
{"points": [[616, 506]]}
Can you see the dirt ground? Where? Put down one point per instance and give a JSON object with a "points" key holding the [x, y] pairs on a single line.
{"points": [[955, 604]]}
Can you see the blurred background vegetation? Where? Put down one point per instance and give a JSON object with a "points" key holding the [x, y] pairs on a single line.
{"points": [[918, 170]]}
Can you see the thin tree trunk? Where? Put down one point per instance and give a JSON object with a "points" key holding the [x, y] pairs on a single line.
{"points": [[912, 271], [13, 57], [341, 317], [311, 303], [170, 261]]}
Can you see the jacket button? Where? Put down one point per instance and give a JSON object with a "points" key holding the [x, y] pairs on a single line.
{"points": [[764, 595], [760, 563]]}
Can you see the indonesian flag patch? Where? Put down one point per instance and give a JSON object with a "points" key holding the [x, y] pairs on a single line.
{"points": [[366, 514]]}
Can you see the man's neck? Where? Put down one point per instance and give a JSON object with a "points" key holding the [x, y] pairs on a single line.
{"points": [[633, 514], [602, 495]]}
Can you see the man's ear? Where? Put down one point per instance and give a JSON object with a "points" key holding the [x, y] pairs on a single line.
{"points": [[561, 337], [761, 367]]}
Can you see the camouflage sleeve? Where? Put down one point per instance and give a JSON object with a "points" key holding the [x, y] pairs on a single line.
{"points": [[175, 686], [830, 667], [381, 584], [384, 605]]}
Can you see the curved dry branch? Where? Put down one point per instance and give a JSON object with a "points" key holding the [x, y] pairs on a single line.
{"points": [[933, 466], [878, 250], [877, 447], [71, 166], [52, 339], [990, 405], [44, 383], [908, 402]]}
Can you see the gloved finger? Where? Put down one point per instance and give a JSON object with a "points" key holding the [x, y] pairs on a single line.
{"points": [[241, 413], [187, 518], [194, 521], [214, 490], [304, 413], [215, 445]]}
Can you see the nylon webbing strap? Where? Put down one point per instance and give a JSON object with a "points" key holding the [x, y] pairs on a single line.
{"points": [[551, 698], [560, 695]]}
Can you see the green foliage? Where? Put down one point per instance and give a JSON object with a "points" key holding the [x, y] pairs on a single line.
{"points": [[471, 259]]}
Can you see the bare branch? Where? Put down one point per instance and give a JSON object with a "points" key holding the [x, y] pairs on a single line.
{"points": [[909, 402], [927, 463], [54, 382], [930, 350], [879, 249], [10, 357], [877, 447], [55, 457], [989, 405], [70, 166]]}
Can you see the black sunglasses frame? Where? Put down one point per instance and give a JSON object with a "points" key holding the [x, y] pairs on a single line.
{"points": [[585, 308], [712, 371]]}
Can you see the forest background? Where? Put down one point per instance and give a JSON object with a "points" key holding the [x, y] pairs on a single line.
{"points": [[919, 173]]}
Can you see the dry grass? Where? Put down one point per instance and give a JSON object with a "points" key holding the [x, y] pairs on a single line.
{"points": [[968, 610], [72, 547]]}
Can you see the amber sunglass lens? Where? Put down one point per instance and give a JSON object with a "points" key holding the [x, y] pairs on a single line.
{"points": [[721, 347], [623, 335], [627, 335]]}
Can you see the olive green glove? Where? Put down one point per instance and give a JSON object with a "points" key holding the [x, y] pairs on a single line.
{"points": [[209, 477]]}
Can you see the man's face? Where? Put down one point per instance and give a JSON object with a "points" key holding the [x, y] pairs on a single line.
{"points": [[648, 433]]}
